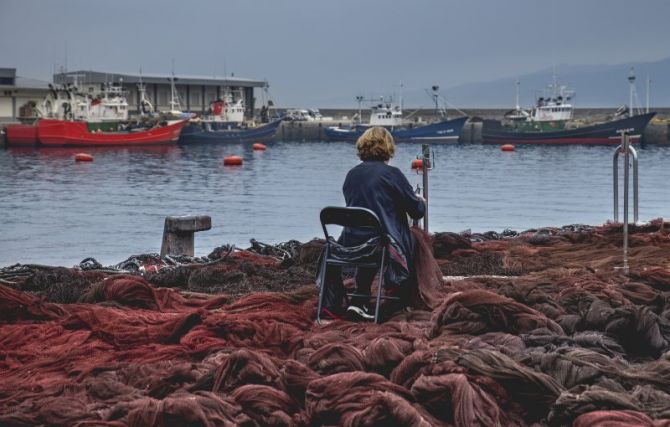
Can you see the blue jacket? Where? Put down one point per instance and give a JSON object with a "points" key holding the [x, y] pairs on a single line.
{"points": [[384, 190]]}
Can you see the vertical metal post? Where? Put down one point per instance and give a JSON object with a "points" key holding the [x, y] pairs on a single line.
{"points": [[425, 148], [628, 151], [626, 141], [636, 187], [615, 179]]}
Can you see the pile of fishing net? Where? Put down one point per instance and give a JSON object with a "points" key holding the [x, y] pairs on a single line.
{"points": [[563, 338]]}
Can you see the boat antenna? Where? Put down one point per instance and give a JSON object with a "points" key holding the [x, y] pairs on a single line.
{"points": [[631, 80], [518, 83], [174, 98], [359, 99], [401, 86], [554, 87], [436, 97]]}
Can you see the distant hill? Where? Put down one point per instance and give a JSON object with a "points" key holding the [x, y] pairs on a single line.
{"points": [[595, 85]]}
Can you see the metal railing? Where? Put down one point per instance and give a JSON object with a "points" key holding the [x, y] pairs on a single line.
{"points": [[628, 152]]}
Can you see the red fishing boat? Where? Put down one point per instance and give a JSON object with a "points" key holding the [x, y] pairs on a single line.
{"points": [[21, 134], [74, 133]]}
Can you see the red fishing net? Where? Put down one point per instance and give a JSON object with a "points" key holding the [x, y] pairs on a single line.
{"points": [[539, 329]]}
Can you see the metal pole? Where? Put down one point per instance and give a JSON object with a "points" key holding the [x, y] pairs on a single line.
{"points": [[636, 187], [615, 175], [636, 181], [631, 80], [426, 165], [625, 201]]}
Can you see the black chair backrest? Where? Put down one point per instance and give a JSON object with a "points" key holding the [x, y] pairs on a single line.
{"points": [[350, 217]]}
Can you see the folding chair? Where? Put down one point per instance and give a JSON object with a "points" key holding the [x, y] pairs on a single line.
{"points": [[360, 256]]}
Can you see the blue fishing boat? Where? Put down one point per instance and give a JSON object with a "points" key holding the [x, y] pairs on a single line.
{"points": [[446, 131], [203, 132], [386, 113]]}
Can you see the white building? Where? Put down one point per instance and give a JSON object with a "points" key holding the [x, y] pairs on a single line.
{"points": [[195, 92], [17, 92]]}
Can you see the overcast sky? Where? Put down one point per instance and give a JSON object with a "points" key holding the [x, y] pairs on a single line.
{"points": [[315, 51]]}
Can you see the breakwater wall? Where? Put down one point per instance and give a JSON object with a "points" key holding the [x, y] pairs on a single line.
{"points": [[658, 134]]}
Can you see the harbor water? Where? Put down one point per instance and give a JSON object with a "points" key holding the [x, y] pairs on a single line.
{"points": [[56, 211]]}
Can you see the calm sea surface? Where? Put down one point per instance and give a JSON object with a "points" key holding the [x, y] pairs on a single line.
{"points": [[56, 211]]}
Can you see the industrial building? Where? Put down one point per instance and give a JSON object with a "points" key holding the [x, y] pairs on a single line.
{"points": [[17, 92], [195, 92]]}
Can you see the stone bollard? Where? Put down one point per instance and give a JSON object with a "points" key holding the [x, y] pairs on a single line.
{"points": [[179, 231]]}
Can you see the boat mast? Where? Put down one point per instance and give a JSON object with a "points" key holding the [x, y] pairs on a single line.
{"points": [[143, 103], [174, 97], [359, 98], [631, 80], [518, 107], [554, 84], [401, 86], [175, 105], [436, 98]]}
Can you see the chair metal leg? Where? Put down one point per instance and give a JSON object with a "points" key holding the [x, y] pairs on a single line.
{"points": [[380, 285], [322, 280]]}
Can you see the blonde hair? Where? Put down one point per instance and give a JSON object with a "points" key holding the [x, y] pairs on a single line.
{"points": [[376, 143]]}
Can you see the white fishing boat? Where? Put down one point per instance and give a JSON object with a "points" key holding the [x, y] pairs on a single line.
{"points": [[548, 122]]}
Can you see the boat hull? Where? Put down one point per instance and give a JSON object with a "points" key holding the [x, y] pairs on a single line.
{"points": [[20, 134], [600, 134], [448, 131], [68, 133], [196, 134]]}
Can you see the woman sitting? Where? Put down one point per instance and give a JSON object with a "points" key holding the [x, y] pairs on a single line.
{"points": [[383, 189]]}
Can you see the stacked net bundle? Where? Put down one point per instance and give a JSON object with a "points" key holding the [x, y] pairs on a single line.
{"points": [[527, 329]]}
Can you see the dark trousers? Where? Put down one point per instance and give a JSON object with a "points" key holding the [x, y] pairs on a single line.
{"points": [[334, 296]]}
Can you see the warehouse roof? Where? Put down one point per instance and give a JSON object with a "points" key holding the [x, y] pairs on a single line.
{"points": [[84, 76]]}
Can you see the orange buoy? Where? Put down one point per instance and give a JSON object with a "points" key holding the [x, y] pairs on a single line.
{"points": [[507, 147], [232, 161], [417, 164], [259, 147], [83, 157]]}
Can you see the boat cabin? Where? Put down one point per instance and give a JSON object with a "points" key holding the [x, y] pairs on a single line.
{"points": [[385, 115], [229, 108], [552, 110]]}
